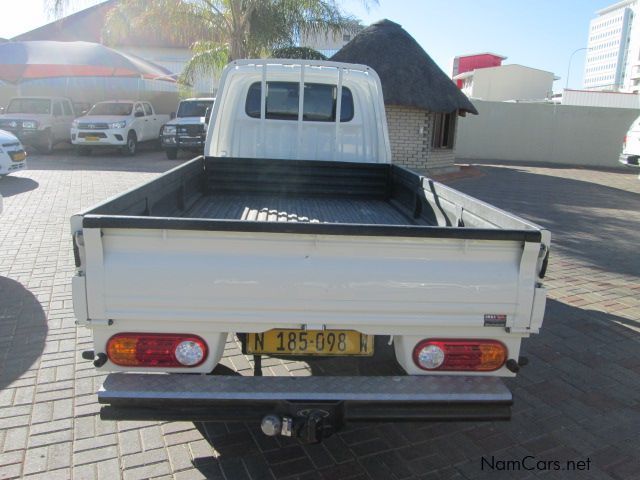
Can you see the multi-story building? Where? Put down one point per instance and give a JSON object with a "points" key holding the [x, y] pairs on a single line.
{"points": [[613, 49], [473, 61]]}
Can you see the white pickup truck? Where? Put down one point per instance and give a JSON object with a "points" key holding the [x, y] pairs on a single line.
{"points": [[297, 234], [119, 123]]}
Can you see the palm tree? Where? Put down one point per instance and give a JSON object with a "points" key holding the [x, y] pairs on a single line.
{"points": [[224, 30]]}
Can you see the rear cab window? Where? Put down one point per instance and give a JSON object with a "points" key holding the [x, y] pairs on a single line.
{"points": [[283, 99]]}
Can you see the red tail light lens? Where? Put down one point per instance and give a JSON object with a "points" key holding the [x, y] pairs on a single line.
{"points": [[459, 355], [156, 350]]}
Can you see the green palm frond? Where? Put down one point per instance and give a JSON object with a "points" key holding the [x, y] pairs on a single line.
{"points": [[209, 58]]}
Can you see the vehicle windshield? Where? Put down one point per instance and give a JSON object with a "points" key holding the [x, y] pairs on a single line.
{"points": [[29, 105], [122, 109], [194, 108]]}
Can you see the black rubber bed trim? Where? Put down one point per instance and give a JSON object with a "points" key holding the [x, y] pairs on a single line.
{"points": [[159, 223]]}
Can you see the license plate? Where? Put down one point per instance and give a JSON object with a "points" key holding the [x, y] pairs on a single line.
{"points": [[310, 342], [92, 139], [18, 156]]}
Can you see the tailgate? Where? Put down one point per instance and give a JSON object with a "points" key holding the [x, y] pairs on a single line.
{"points": [[210, 282]]}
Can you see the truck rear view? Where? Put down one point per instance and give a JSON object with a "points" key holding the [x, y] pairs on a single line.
{"points": [[296, 236]]}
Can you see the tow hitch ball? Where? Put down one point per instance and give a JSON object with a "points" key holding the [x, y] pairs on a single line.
{"points": [[312, 427]]}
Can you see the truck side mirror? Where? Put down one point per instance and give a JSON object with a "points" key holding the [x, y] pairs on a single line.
{"points": [[172, 115], [139, 114]]}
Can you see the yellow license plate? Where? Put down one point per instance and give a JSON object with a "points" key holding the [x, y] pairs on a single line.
{"points": [[310, 342], [92, 139], [19, 157]]}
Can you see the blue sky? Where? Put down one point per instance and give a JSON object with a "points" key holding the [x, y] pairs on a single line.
{"points": [[536, 33]]}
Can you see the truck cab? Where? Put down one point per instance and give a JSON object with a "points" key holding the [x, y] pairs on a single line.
{"points": [[188, 130], [40, 122]]}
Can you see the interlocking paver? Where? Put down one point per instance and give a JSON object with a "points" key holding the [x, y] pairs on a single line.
{"points": [[577, 398]]}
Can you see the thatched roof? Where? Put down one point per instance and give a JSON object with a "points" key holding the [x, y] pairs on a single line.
{"points": [[409, 76]]}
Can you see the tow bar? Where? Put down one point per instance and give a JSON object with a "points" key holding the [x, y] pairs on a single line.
{"points": [[311, 425]]}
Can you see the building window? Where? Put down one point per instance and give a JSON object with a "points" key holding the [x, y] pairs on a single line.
{"points": [[444, 130]]}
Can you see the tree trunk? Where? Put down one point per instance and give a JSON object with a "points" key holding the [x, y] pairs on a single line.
{"points": [[236, 50]]}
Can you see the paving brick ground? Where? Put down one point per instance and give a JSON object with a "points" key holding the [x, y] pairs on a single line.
{"points": [[578, 400]]}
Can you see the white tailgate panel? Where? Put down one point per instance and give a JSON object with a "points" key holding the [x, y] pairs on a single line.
{"points": [[380, 285]]}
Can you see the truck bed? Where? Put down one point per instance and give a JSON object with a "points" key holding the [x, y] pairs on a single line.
{"points": [[307, 197], [246, 245]]}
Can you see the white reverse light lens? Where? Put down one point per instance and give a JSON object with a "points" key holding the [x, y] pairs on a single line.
{"points": [[431, 357], [189, 353]]}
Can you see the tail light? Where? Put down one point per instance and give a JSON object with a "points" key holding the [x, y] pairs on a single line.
{"points": [[624, 141], [459, 355], [156, 350]]}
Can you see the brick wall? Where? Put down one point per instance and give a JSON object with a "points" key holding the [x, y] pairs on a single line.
{"points": [[410, 131]]}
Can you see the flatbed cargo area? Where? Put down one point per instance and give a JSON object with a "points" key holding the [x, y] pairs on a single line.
{"points": [[306, 197], [292, 191]]}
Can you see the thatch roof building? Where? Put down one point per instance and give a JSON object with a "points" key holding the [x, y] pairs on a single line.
{"points": [[422, 102]]}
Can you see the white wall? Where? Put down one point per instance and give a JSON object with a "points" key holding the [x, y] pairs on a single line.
{"points": [[533, 132], [593, 98], [510, 82]]}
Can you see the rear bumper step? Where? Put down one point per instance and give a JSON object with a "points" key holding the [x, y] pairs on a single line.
{"points": [[236, 398]]}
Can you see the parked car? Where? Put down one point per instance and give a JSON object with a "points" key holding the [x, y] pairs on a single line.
{"points": [[296, 233], [117, 123], [631, 146], [188, 130], [12, 154], [40, 122]]}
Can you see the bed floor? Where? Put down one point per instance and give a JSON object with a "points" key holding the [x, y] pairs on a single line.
{"points": [[274, 208]]}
